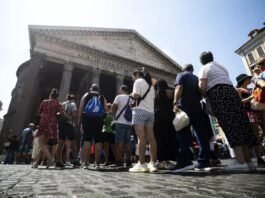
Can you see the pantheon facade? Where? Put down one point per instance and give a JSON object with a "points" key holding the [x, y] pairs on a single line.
{"points": [[72, 58]]}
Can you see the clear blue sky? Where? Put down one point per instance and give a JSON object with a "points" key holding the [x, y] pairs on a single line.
{"points": [[180, 28]]}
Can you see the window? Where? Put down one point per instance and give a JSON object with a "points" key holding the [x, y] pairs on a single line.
{"points": [[260, 51], [251, 58]]}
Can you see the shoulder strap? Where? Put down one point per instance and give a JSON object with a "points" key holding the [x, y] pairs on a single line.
{"points": [[123, 109], [140, 99]]}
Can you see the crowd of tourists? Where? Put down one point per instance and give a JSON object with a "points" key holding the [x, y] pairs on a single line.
{"points": [[136, 130]]}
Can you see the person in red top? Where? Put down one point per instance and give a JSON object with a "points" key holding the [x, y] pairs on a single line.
{"points": [[48, 124], [257, 118]]}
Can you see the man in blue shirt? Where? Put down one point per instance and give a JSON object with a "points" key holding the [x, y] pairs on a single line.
{"points": [[26, 137], [187, 97]]}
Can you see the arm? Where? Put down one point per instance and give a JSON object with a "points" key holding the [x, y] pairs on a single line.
{"points": [[105, 104], [177, 96], [202, 86], [114, 107], [81, 107], [245, 100], [136, 94]]}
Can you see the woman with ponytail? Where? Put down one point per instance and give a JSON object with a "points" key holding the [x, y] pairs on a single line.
{"points": [[48, 125]]}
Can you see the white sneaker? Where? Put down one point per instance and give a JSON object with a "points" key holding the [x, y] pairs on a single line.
{"points": [[84, 165], [252, 166], [151, 167], [160, 165], [235, 166], [169, 165], [68, 164], [139, 168]]}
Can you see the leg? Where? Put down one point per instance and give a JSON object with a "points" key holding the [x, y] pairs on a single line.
{"points": [[184, 138], [151, 139], [59, 150], [140, 132], [68, 150], [98, 148], [106, 151], [43, 145], [201, 126], [54, 150], [85, 149], [119, 150], [74, 149], [240, 154]]}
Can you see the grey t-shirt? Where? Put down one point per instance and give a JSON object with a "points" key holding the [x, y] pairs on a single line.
{"points": [[70, 107]]}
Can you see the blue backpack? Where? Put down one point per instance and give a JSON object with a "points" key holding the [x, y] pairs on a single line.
{"points": [[94, 108]]}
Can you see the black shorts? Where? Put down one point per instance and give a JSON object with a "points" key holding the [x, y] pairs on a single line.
{"points": [[52, 142], [108, 137], [92, 127], [66, 131]]}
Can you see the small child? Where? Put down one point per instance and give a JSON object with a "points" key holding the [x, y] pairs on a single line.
{"points": [[108, 135]]}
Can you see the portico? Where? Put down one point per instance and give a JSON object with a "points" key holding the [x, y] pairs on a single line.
{"points": [[72, 58]]}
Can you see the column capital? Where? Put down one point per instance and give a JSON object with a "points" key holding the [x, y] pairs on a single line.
{"points": [[68, 66], [37, 56]]}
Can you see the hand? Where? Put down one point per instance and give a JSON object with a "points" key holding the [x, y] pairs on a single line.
{"points": [[175, 108], [81, 130]]}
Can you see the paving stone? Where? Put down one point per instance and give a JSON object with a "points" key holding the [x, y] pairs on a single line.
{"points": [[22, 181]]}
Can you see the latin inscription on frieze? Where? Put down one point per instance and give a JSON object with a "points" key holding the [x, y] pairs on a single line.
{"points": [[101, 61]]}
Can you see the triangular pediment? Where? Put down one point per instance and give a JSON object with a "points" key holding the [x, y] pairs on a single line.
{"points": [[121, 42]]}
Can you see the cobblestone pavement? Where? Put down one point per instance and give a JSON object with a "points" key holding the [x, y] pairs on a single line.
{"points": [[22, 181]]}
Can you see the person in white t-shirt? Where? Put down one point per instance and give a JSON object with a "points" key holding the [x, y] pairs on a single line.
{"points": [[122, 126], [214, 82], [143, 119]]}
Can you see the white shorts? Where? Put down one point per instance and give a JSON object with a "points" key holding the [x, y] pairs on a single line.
{"points": [[142, 117]]}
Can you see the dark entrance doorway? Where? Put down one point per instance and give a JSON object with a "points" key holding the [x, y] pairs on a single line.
{"points": [[107, 84], [128, 82]]}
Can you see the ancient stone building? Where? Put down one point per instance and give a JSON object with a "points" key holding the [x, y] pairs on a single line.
{"points": [[72, 58]]}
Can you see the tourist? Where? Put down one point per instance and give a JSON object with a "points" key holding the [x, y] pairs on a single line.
{"points": [[256, 118], [91, 115], [26, 138], [122, 125], [108, 136], [226, 104], [36, 145], [66, 128], [48, 125], [143, 119], [188, 98], [164, 131], [12, 150]]}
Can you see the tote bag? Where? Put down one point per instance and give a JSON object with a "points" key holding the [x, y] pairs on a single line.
{"points": [[181, 120]]}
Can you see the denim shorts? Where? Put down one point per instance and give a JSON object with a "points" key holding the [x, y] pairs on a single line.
{"points": [[142, 117], [122, 133]]}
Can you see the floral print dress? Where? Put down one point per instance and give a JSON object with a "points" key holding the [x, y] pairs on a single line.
{"points": [[48, 121]]}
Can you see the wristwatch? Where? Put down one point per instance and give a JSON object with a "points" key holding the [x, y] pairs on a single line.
{"points": [[175, 103]]}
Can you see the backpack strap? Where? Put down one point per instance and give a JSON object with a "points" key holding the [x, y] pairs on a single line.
{"points": [[123, 109], [91, 95]]}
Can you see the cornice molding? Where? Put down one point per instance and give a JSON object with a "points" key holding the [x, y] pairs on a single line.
{"points": [[87, 51], [57, 31]]}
